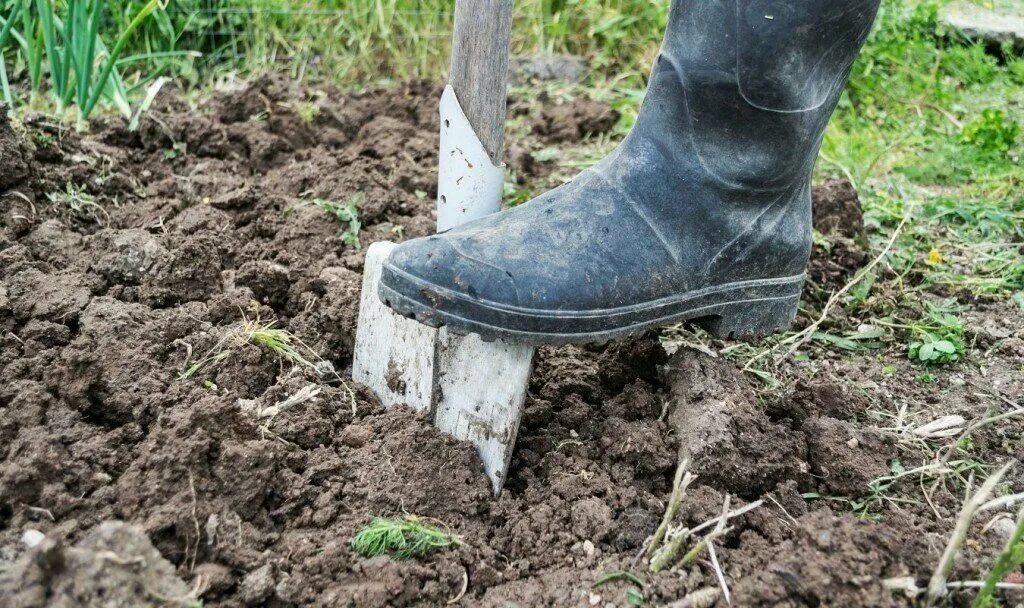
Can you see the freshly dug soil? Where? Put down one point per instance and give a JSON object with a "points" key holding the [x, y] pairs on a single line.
{"points": [[133, 263]]}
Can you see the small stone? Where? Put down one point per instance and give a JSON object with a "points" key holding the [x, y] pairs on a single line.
{"points": [[588, 548], [1003, 529], [257, 586], [853, 443], [595, 599], [31, 538]]}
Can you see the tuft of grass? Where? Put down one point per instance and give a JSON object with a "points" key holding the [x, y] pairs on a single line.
{"points": [[307, 111], [992, 132], [347, 214], [253, 330], [404, 538]]}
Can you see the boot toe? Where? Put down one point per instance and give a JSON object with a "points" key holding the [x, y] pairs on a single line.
{"points": [[436, 268]]}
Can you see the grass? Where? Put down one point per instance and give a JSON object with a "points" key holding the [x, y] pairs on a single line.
{"points": [[405, 538], [282, 343]]}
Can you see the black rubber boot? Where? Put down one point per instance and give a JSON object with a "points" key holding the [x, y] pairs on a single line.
{"points": [[702, 213]]}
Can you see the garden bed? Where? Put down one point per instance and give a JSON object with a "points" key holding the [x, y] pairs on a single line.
{"points": [[134, 266]]}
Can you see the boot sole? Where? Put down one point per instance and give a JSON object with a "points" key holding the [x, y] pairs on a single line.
{"points": [[741, 310]]}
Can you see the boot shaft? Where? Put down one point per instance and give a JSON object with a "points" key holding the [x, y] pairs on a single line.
{"points": [[749, 85]]}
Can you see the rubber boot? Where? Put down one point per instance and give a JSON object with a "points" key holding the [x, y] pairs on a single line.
{"points": [[702, 213]]}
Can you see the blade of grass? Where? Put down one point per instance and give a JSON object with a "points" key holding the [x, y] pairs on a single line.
{"points": [[89, 57], [4, 34], [31, 45], [111, 61], [1011, 557], [48, 28]]}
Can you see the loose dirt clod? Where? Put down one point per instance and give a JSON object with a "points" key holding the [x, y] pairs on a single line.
{"points": [[113, 565]]}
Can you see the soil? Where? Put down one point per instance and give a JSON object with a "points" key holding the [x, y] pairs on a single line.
{"points": [[125, 481]]}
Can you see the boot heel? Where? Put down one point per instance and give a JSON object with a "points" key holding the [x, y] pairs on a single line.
{"points": [[751, 320]]}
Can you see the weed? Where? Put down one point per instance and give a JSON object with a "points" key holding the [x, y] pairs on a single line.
{"points": [[79, 203], [347, 213], [939, 337], [404, 538], [307, 112], [515, 195], [281, 342], [42, 140], [80, 68], [634, 594], [992, 133]]}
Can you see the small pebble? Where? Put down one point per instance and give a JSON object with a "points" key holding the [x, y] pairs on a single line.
{"points": [[31, 538], [588, 548]]}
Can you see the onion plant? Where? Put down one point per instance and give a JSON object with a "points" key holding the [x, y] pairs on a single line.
{"points": [[60, 44]]}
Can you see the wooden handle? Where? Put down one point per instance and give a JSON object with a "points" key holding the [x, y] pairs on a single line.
{"points": [[479, 67]]}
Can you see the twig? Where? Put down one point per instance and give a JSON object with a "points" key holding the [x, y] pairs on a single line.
{"points": [[195, 522], [696, 550], [719, 528], [666, 558], [783, 509], [806, 333], [937, 583], [728, 516]]}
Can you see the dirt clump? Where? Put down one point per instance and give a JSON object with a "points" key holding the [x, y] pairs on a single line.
{"points": [[844, 458], [575, 120], [13, 157], [827, 561], [732, 443], [842, 251], [113, 565], [836, 209]]}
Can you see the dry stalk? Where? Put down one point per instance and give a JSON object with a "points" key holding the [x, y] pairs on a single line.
{"points": [[667, 557], [728, 516], [720, 528], [977, 424], [937, 583], [1002, 502], [680, 482]]}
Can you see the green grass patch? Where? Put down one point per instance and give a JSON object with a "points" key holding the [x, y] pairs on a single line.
{"points": [[404, 538]]}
